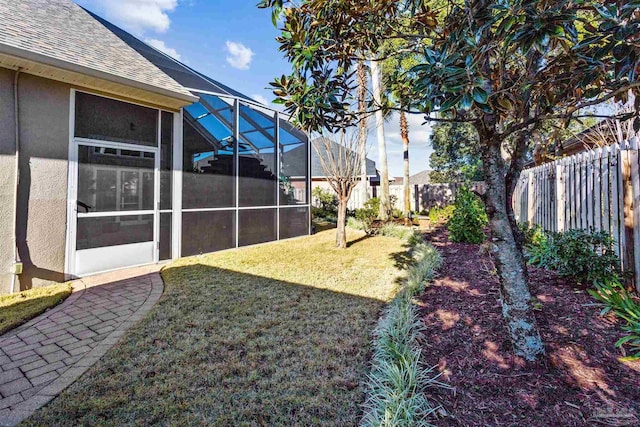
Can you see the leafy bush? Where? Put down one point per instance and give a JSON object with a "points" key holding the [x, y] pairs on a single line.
{"points": [[368, 213], [533, 234], [354, 223], [468, 218], [397, 213], [587, 256], [441, 214], [624, 305], [398, 378], [328, 203]]}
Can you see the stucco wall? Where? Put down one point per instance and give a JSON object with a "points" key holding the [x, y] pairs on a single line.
{"points": [[42, 195], [7, 180]]}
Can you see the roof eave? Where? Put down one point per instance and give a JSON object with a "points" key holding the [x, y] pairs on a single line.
{"points": [[186, 97]]}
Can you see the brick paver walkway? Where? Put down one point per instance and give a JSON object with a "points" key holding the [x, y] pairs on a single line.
{"points": [[44, 356]]}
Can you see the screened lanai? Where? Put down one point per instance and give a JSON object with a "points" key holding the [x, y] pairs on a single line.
{"points": [[246, 189], [245, 168]]}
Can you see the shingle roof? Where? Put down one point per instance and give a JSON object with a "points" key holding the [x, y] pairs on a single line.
{"points": [[62, 30], [316, 165], [420, 178], [180, 72]]}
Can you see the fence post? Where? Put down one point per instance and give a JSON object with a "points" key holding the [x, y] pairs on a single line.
{"points": [[560, 197], [635, 187], [530, 199], [628, 155]]}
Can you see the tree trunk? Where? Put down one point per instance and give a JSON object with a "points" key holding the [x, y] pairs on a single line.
{"points": [[385, 202], [404, 133], [341, 229], [509, 261], [362, 129]]}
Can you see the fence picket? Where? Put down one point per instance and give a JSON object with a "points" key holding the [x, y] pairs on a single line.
{"points": [[597, 190], [605, 165], [588, 200], [587, 190]]}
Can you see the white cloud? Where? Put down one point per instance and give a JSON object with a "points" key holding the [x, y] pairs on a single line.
{"points": [[137, 16], [239, 56], [261, 99], [162, 47]]}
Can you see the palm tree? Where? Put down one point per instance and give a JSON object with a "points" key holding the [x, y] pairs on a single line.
{"points": [[376, 85], [363, 132], [406, 188]]}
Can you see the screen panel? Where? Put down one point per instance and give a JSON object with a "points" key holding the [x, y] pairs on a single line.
{"points": [[207, 231], [256, 226], [108, 119]]}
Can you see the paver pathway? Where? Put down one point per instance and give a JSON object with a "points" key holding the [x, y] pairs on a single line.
{"points": [[44, 356]]}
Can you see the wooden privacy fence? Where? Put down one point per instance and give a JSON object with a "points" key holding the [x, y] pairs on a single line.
{"points": [[423, 197], [598, 189], [428, 196]]}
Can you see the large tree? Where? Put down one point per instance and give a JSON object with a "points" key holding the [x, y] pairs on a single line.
{"points": [[506, 67]]}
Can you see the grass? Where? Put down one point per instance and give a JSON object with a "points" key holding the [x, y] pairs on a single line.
{"points": [[18, 308], [272, 335], [321, 224]]}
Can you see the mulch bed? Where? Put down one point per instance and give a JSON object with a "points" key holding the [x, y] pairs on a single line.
{"points": [[581, 382]]}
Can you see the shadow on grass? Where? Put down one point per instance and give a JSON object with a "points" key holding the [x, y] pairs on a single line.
{"points": [[358, 240], [402, 260], [228, 348], [21, 307]]}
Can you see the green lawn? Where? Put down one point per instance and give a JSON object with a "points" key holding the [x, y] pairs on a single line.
{"points": [[18, 308], [273, 335]]}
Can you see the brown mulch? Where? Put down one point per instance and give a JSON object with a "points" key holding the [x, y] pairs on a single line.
{"points": [[581, 382]]}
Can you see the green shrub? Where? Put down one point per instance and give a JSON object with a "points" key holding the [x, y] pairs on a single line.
{"points": [[397, 213], [532, 234], [368, 213], [587, 256], [354, 223], [468, 218], [441, 214], [328, 202], [623, 304]]}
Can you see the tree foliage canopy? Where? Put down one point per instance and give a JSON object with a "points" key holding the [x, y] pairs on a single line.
{"points": [[456, 153], [507, 67]]}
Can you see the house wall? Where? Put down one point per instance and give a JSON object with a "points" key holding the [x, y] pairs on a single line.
{"points": [[42, 198], [7, 177], [42, 195]]}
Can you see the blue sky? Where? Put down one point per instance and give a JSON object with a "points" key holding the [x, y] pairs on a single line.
{"points": [[233, 41]]}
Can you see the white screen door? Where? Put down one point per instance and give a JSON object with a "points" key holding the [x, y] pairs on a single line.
{"points": [[117, 197]]}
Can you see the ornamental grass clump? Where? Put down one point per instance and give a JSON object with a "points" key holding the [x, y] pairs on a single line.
{"points": [[355, 224], [391, 229], [398, 377]]}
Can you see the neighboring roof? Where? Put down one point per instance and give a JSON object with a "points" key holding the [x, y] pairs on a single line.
{"points": [[61, 34], [316, 165], [583, 141], [420, 178], [186, 76]]}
